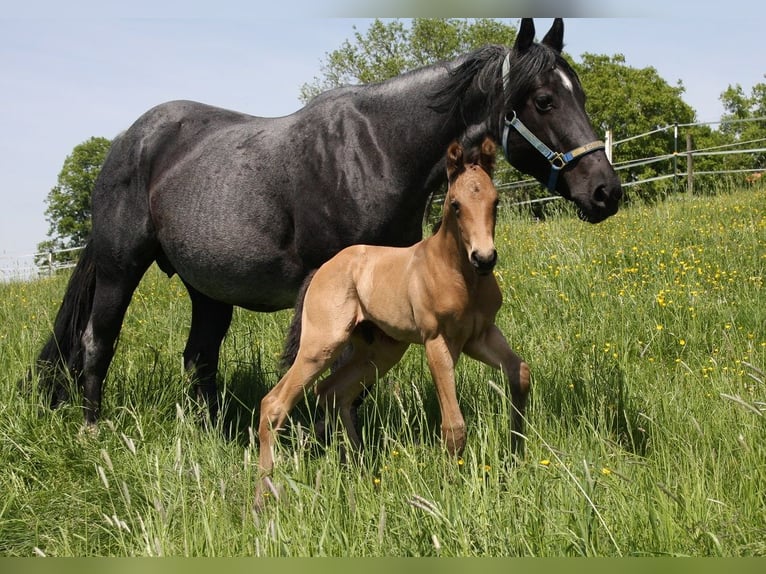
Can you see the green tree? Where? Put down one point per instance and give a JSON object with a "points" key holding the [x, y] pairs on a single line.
{"points": [[631, 101], [68, 203], [387, 49], [745, 123]]}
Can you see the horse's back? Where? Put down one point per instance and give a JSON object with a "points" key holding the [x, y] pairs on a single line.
{"points": [[183, 181]]}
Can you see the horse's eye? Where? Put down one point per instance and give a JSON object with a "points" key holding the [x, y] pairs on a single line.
{"points": [[544, 103], [455, 207]]}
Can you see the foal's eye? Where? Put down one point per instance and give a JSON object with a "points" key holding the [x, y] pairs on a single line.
{"points": [[544, 103], [455, 207]]}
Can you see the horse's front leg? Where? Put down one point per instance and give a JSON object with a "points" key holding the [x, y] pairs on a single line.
{"points": [[441, 361], [493, 349], [209, 324]]}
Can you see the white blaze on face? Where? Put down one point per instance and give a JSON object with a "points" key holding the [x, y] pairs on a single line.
{"points": [[565, 80]]}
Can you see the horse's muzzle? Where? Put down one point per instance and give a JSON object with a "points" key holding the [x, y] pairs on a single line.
{"points": [[484, 263], [603, 203]]}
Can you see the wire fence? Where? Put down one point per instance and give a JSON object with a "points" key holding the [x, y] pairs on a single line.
{"points": [[35, 265], [740, 147], [45, 264]]}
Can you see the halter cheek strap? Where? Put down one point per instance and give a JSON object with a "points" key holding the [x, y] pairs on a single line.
{"points": [[557, 160]]}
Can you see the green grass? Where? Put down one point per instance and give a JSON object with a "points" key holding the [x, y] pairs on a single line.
{"points": [[646, 336]]}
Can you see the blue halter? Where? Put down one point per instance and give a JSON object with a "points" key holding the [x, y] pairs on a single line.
{"points": [[557, 160]]}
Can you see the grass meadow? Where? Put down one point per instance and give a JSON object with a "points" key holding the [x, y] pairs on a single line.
{"points": [[646, 436]]}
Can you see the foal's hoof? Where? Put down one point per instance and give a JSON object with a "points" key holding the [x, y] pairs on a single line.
{"points": [[454, 440], [265, 491], [322, 432]]}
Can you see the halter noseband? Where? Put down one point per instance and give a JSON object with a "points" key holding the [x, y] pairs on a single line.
{"points": [[557, 160]]}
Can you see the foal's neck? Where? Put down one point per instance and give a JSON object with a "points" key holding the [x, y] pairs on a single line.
{"points": [[449, 250]]}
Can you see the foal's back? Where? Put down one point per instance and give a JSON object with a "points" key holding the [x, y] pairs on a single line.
{"points": [[363, 283]]}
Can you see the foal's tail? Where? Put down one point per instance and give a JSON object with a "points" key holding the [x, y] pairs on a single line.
{"points": [[62, 357], [293, 342]]}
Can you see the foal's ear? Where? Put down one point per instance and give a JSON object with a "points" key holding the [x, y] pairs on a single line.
{"points": [[526, 35], [487, 155], [555, 36], [454, 159]]}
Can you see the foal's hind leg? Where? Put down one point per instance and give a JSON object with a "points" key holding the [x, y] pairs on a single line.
{"points": [[492, 348], [277, 404], [338, 393], [210, 322]]}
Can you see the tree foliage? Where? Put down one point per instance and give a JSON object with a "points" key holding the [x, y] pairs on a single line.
{"points": [[68, 203], [631, 101], [747, 134], [387, 49]]}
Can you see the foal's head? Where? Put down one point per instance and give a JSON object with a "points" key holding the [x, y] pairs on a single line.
{"points": [[471, 204]]}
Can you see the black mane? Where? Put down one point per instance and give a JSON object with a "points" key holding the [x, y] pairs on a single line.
{"points": [[481, 66], [482, 69]]}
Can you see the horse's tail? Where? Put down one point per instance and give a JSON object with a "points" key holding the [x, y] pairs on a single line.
{"points": [[293, 342], [62, 356]]}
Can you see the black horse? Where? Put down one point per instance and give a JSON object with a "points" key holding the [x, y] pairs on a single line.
{"points": [[243, 207]]}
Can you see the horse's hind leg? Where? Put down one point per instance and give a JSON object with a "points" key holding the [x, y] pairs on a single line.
{"points": [[210, 322], [110, 301]]}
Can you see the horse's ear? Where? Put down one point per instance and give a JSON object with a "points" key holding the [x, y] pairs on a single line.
{"points": [[454, 159], [526, 35], [555, 36], [487, 155]]}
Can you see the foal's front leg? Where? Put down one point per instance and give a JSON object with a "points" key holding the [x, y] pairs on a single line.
{"points": [[442, 357], [493, 349]]}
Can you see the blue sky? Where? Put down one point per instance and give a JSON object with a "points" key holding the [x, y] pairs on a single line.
{"points": [[69, 75]]}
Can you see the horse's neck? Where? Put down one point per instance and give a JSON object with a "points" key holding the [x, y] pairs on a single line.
{"points": [[406, 102]]}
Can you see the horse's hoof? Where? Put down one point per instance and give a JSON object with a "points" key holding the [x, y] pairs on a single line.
{"points": [[88, 431]]}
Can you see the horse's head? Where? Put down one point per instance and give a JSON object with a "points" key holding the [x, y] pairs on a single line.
{"points": [[471, 202], [545, 129]]}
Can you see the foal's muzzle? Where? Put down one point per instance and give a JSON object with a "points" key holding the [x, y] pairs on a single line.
{"points": [[484, 263]]}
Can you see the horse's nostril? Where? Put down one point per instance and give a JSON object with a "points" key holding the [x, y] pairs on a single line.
{"points": [[601, 195], [605, 194]]}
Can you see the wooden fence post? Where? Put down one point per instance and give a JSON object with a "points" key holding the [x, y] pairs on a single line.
{"points": [[608, 139]]}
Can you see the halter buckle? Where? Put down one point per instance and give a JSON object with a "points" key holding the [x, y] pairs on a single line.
{"points": [[558, 161]]}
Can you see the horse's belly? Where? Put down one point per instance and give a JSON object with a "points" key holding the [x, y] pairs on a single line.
{"points": [[257, 279]]}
